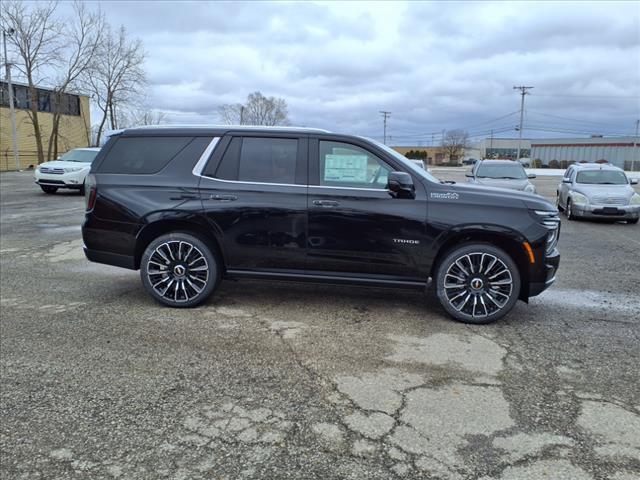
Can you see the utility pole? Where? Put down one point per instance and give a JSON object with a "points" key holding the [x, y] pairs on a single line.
{"points": [[523, 92], [384, 116], [242, 115], [12, 110], [635, 148], [491, 142]]}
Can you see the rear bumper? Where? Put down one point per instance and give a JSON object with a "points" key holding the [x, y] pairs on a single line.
{"points": [[109, 258], [626, 212], [551, 263]]}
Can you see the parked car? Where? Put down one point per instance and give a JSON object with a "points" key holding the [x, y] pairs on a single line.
{"points": [[68, 171], [525, 162], [418, 162], [590, 190], [191, 205], [501, 174], [469, 161]]}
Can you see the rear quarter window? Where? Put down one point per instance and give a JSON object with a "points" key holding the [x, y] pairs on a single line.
{"points": [[142, 155]]}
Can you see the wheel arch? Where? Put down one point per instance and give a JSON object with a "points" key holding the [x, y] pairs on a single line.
{"points": [[158, 227], [510, 242]]}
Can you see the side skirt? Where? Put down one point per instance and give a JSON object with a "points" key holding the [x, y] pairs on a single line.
{"points": [[330, 277]]}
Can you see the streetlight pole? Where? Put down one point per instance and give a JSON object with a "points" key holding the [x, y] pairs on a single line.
{"points": [[523, 92], [12, 111]]}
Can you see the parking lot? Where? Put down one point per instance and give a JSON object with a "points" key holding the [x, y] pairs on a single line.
{"points": [[278, 380]]}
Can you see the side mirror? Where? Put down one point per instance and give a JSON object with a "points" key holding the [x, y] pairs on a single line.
{"points": [[469, 174], [633, 181], [400, 185], [566, 180], [531, 175]]}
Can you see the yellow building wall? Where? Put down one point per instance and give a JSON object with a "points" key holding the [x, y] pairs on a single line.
{"points": [[74, 132], [432, 152]]}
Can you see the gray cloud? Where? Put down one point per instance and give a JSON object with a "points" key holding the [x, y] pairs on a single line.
{"points": [[434, 65]]}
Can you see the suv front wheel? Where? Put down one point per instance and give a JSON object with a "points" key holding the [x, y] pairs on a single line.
{"points": [[179, 270], [477, 283]]}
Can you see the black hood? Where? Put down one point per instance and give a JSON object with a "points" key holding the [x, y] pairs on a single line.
{"points": [[501, 196]]}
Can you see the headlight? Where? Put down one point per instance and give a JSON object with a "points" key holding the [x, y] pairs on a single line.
{"points": [[635, 199], [73, 169], [530, 188], [579, 199], [551, 221]]}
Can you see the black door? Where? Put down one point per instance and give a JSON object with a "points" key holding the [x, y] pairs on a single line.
{"points": [[254, 193], [355, 225]]}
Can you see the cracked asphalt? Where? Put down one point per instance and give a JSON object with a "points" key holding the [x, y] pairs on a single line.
{"points": [[277, 380]]}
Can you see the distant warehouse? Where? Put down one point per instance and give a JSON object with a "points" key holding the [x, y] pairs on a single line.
{"points": [[559, 152], [74, 129]]}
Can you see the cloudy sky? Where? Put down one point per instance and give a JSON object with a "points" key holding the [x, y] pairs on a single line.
{"points": [[435, 66]]}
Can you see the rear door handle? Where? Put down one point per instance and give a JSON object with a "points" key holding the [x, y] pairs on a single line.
{"points": [[326, 203], [223, 198], [185, 196]]}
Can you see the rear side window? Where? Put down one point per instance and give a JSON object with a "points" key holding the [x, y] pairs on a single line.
{"points": [[142, 155], [262, 160]]}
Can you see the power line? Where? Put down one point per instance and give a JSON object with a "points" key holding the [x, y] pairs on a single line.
{"points": [[385, 115]]}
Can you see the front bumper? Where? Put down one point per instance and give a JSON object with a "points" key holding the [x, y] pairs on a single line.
{"points": [[622, 212], [551, 263], [64, 180]]}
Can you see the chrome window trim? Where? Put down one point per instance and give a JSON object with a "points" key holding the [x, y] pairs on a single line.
{"points": [[291, 184], [202, 161]]}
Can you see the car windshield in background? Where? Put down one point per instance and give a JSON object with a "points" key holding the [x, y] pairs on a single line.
{"points": [[408, 163], [602, 177], [506, 171], [82, 156]]}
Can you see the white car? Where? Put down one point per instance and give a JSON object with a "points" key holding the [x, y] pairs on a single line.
{"points": [[69, 171]]}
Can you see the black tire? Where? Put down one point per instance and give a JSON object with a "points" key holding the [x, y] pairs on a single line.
{"points": [[560, 209], [482, 290], [82, 188], [634, 220], [185, 265], [49, 189], [569, 211]]}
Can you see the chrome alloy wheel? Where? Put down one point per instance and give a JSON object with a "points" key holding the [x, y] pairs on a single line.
{"points": [[478, 284], [177, 271]]}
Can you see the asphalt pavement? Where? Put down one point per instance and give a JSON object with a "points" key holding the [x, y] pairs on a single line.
{"points": [[278, 380]]}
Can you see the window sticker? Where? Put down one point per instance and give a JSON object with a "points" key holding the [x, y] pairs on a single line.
{"points": [[345, 168]]}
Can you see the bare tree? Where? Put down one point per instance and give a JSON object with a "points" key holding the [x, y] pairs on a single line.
{"points": [[140, 117], [258, 110], [36, 39], [454, 144], [83, 34], [117, 76]]}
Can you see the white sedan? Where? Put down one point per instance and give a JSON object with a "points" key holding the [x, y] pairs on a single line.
{"points": [[69, 171]]}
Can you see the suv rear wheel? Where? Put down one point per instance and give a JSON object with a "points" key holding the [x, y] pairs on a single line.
{"points": [[478, 283], [179, 270]]}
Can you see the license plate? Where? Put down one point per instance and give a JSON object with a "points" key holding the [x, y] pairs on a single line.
{"points": [[610, 210]]}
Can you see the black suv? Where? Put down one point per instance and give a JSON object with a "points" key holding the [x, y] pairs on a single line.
{"points": [[191, 205]]}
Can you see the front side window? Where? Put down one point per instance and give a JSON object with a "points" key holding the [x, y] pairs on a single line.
{"points": [[260, 160], [602, 177], [346, 165]]}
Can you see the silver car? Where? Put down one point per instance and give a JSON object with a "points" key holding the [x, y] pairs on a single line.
{"points": [[501, 174], [592, 190]]}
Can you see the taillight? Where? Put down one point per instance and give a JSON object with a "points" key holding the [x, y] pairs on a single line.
{"points": [[90, 192]]}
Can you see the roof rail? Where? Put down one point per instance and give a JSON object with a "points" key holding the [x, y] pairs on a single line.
{"points": [[231, 127]]}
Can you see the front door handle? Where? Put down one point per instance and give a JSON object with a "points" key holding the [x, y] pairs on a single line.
{"points": [[223, 198], [326, 203]]}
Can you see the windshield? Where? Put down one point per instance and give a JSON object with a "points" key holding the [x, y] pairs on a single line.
{"points": [[404, 160], [509, 171], [602, 177], [81, 156]]}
